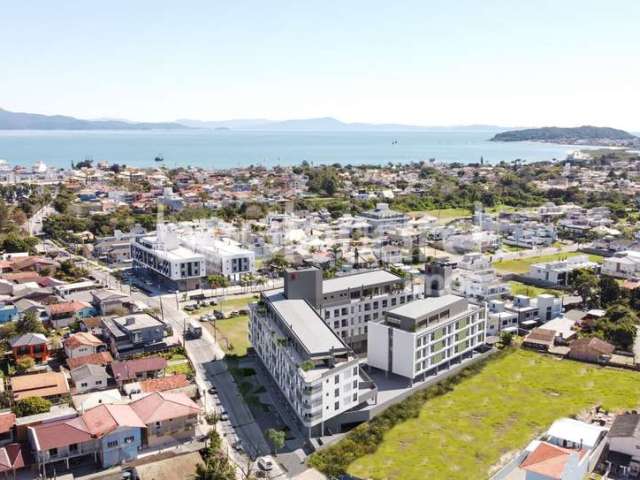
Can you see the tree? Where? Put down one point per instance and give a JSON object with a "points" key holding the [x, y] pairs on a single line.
{"points": [[218, 281], [585, 282], [610, 291], [24, 364], [29, 323], [31, 406], [618, 326], [506, 338], [14, 243], [335, 251], [216, 464], [276, 438]]}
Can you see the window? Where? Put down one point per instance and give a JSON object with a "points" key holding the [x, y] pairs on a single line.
{"points": [[337, 405], [112, 444], [53, 452], [336, 379], [129, 439], [84, 384], [73, 448], [336, 393]]}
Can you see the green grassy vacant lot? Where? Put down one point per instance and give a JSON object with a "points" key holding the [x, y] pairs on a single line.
{"points": [[232, 334], [521, 265], [464, 433], [518, 288], [443, 213]]}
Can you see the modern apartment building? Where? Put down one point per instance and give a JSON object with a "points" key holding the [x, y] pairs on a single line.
{"points": [[382, 219], [348, 303], [222, 256], [162, 256], [424, 337], [318, 375]]}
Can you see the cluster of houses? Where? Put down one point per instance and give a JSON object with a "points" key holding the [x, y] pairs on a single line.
{"points": [[101, 363]]}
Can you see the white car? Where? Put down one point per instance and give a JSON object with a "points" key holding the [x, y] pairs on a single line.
{"points": [[265, 463]]}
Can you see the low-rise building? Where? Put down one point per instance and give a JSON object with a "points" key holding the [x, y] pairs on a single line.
{"points": [[89, 377], [49, 385], [557, 273], [624, 264], [222, 256], [624, 443], [81, 344], [169, 417], [34, 345], [135, 333], [569, 450], [138, 369]]}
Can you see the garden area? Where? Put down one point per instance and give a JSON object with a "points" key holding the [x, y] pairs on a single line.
{"points": [[521, 265], [466, 426]]}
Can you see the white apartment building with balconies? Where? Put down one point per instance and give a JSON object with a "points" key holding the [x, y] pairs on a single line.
{"points": [[348, 303], [317, 374], [425, 337], [162, 256]]}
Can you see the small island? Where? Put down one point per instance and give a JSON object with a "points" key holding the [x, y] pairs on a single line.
{"points": [[585, 135]]}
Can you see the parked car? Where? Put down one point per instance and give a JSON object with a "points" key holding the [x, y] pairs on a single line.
{"points": [[218, 314], [265, 463]]}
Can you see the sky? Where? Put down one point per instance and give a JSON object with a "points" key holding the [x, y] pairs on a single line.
{"points": [[421, 62]]}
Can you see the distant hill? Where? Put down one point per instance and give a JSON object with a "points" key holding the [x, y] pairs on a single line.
{"points": [[578, 135], [322, 124], [33, 121]]}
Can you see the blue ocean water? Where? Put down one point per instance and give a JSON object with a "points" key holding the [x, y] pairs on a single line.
{"points": [[226, 148]]}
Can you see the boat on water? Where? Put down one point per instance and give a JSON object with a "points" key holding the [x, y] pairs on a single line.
{"points": [[159, 158]]}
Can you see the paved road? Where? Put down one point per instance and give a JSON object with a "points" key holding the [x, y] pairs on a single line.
{"points": [[33, 226]]}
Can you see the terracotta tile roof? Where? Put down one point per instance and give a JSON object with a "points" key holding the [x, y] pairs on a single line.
{"points": [[27, 262], [100, 358], [11, 457], [540, 335], [127, 370], [92, 322], [548, 460], [591, 345], [66, 307], [160, 406], [82, 339], [162, 384], [7, 421], [22, 277], [39, 385], [61, 433], [104, 419]]}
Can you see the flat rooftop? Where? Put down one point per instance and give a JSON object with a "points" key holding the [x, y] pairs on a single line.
{"points": [[358, 280], [305, 324], [421, 308]]}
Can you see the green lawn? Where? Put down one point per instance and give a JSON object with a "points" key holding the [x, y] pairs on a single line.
{"points": [[227, 305], [518, 288], [521, 265], [464, 433], [232, 334], [184, 367]]}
